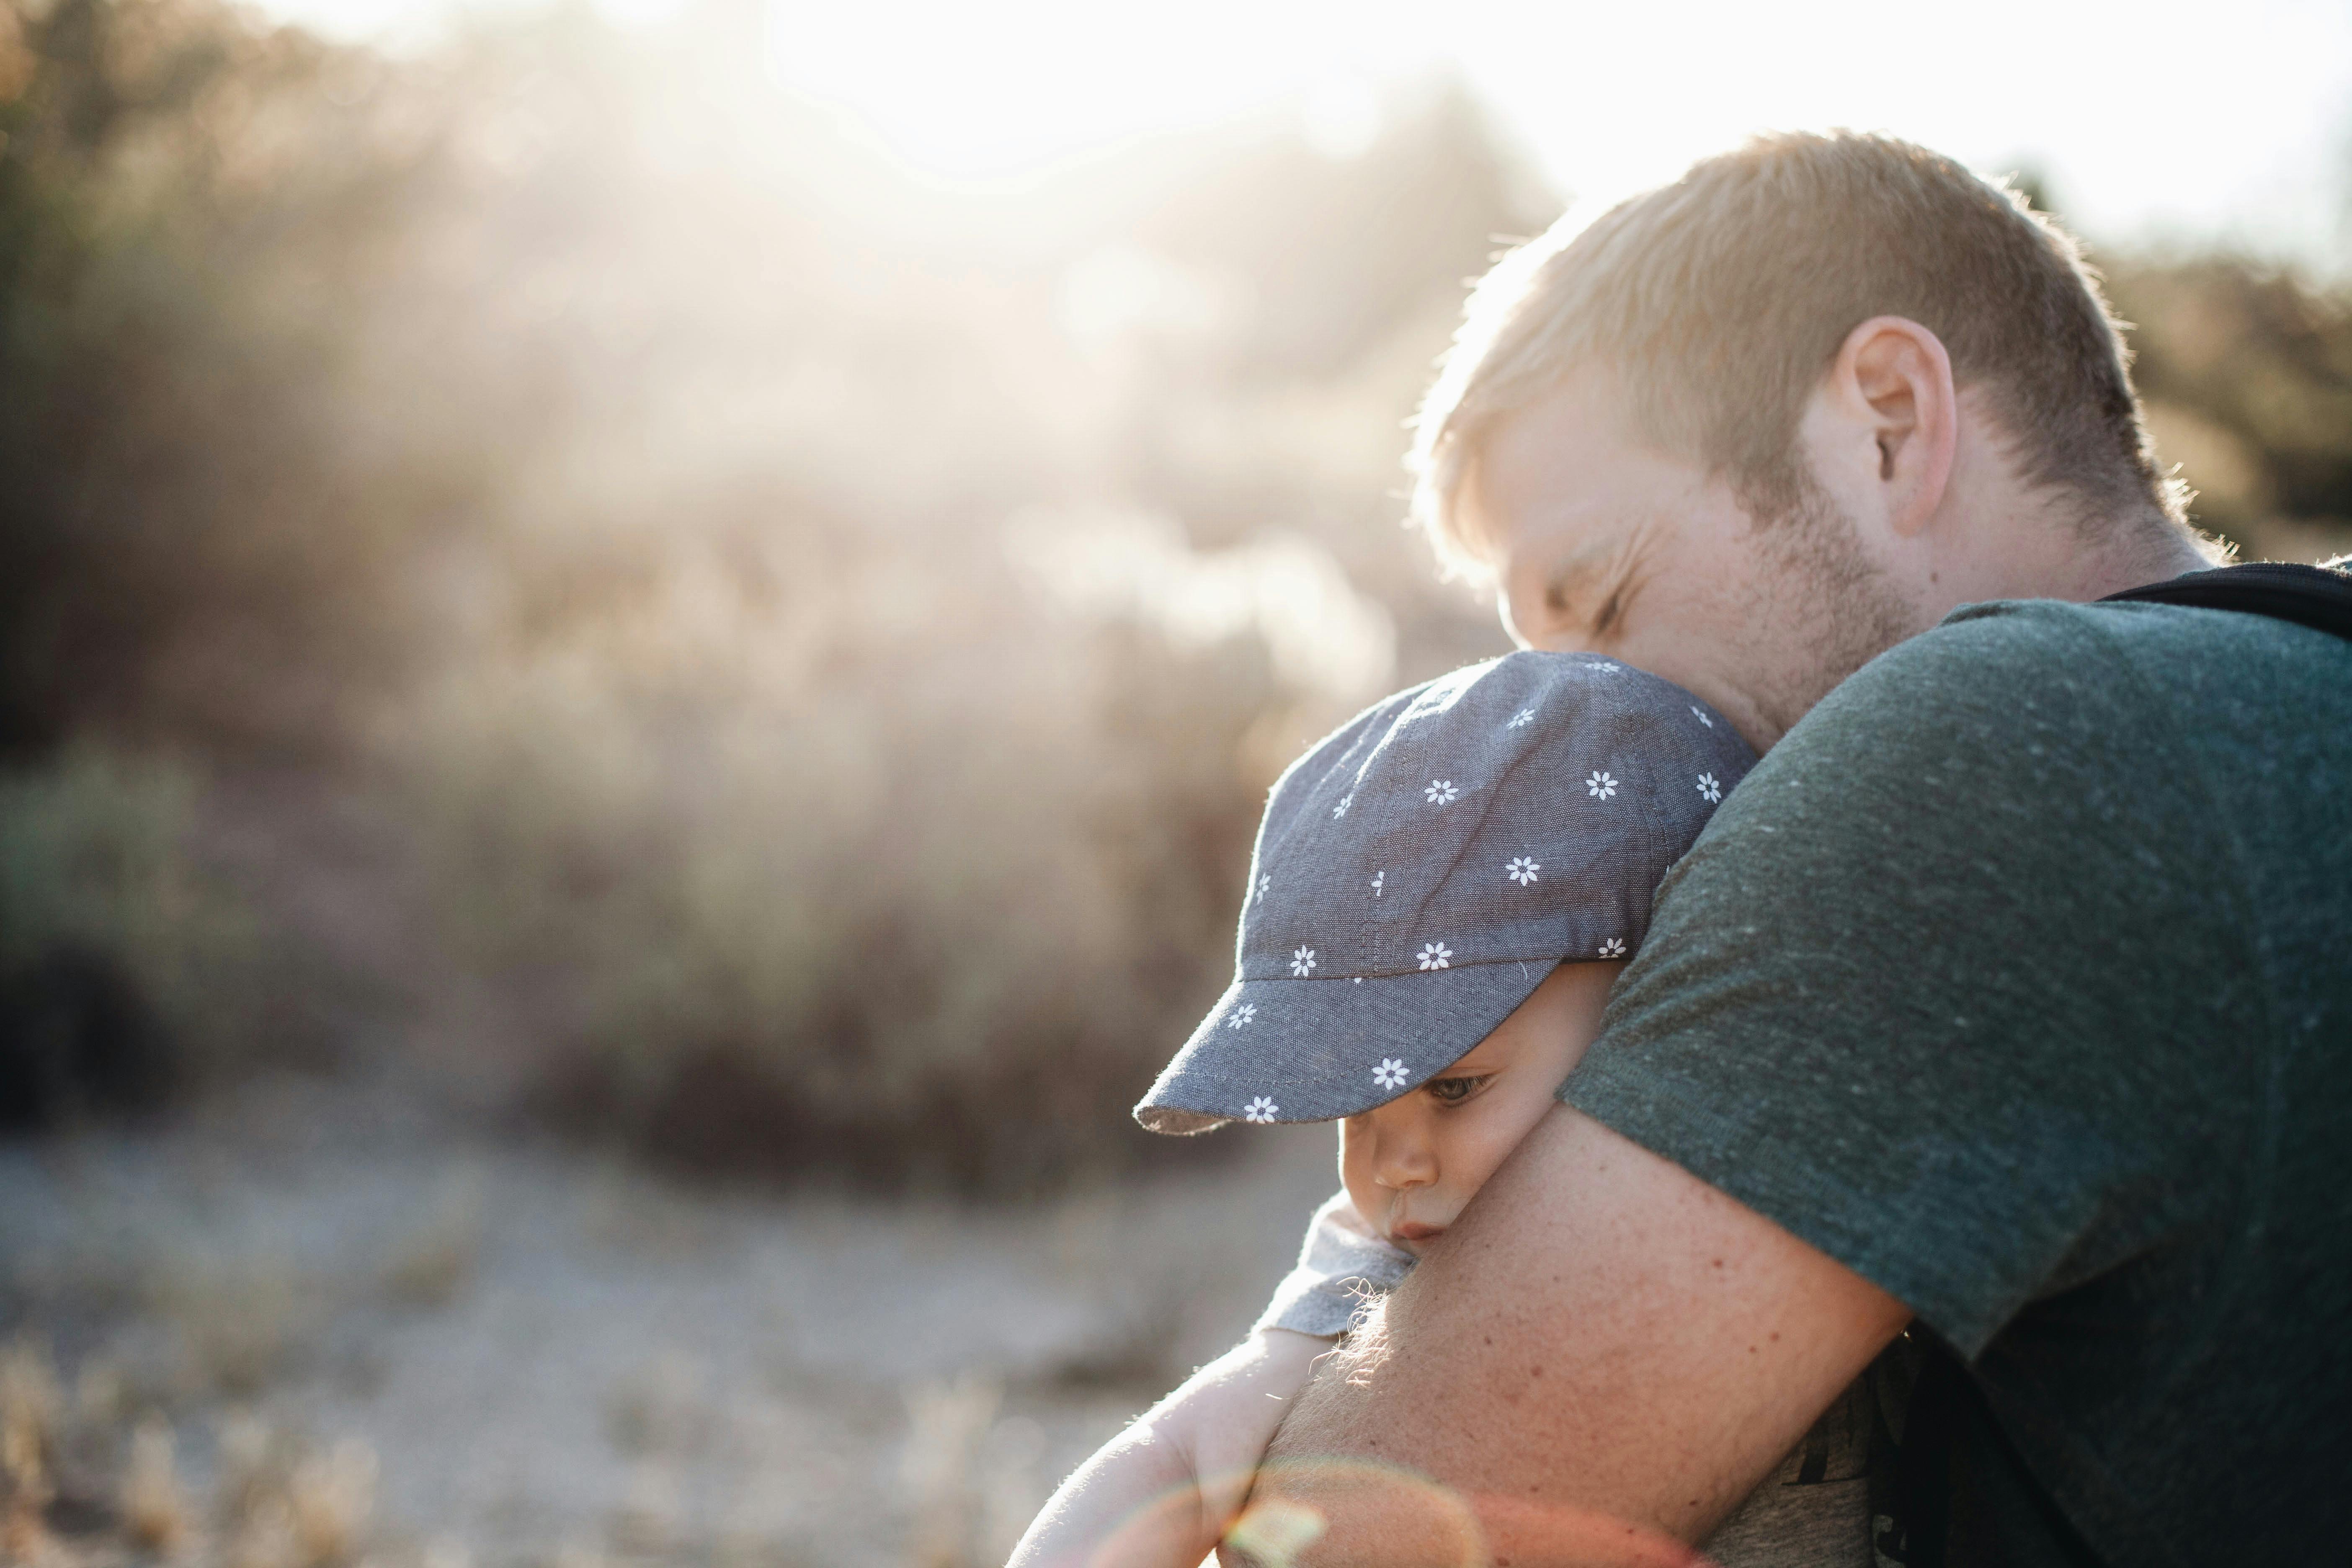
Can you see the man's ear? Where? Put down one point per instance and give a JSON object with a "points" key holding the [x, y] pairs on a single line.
{"points": [[1891, 402]]}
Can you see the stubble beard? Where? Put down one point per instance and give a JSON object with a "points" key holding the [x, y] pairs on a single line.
{"points": [[1818, 578]]}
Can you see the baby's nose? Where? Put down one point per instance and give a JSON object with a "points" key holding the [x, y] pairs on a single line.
{"points": [[1406, 1159]]}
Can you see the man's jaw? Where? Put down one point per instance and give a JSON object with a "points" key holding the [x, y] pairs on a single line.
{"points": [[1814, 574]]}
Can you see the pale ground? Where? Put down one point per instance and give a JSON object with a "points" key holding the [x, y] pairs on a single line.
{"points": [[554, 1358]]}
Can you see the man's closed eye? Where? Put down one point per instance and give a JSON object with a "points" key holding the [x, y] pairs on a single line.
{"points": [[1564, 594]]}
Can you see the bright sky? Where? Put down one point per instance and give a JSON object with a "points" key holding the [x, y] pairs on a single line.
{"points": [[2160, 119]]}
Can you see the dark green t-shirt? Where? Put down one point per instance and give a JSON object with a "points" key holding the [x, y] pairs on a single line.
{"points": [[2018, 978]]}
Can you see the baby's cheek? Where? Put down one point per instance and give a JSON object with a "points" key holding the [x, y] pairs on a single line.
{"points": [[1356, 1176], [1482, 1145]]}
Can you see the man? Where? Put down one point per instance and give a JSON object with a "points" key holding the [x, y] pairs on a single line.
{"points": [[2009, 999]]}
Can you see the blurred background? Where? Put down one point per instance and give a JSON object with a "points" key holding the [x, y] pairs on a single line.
{"points": [[639, 645]]}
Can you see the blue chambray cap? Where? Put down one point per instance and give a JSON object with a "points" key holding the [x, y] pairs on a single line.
{"points": [[1420, 870]]}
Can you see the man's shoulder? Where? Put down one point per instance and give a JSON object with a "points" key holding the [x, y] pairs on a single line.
{"points": [[2055, 643], [2138, 755], [2012, 907], [2049, 677]]}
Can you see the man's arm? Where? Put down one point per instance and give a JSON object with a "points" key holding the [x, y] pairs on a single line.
{"points": [[1596, 1364]]}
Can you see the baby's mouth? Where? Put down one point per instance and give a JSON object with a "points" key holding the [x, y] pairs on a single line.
{"points": [[1409, 1233]]}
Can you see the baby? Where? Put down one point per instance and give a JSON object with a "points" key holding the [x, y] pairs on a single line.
{"points": [[1441, 894]]}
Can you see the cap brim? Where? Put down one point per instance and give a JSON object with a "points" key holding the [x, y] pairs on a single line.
{"points": [[1316, 1050]]}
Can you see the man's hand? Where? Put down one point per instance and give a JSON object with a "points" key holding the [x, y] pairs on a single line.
{"points": [[1600, 1360]]}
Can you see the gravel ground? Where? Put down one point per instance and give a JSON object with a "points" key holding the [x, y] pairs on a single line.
{"points": [[541, 1357]]}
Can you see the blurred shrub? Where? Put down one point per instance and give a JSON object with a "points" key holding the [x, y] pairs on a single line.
{"points": [[635, 462], [126, 969], [904, 877], [213, 473], [2248, 373]]}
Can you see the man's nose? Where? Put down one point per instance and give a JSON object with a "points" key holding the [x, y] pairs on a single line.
{"points": [[1531, 619]]}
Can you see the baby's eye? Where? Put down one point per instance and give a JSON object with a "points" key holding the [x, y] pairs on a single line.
{"points": [[1455, 1090]]}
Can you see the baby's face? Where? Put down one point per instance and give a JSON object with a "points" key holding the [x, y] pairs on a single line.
{"points": [[1410, 1165]]}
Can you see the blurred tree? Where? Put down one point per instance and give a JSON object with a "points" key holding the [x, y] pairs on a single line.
{"points": [[1333, 254], [2247, 369], [621, 465], [193, 219]]}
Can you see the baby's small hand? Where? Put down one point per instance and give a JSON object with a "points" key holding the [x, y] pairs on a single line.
{"points": [[1164, 1492]]}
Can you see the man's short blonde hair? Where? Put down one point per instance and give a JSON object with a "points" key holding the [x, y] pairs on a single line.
{"points": [[1720, 300]]}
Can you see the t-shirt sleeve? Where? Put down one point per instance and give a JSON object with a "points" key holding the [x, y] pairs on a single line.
{"points": [[1341, 1267], [1920, 993]]}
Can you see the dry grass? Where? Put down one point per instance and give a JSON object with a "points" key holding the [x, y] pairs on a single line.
{"points": [[949, 1422], [241, 1324], [970, 1473], [28, 1413], [80, 1490], [432, 1264], [155, 1510], [660, 1409], [627, 1372]]}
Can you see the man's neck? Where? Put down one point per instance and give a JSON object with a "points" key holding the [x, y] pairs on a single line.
{"points": [[2047, 559], [2148, 554]]}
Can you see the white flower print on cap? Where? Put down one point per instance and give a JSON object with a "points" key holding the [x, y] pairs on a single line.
{"points": [[1469, 780]]}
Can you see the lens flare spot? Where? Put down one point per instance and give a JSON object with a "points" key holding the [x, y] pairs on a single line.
{"points": [[1276, 1532]]}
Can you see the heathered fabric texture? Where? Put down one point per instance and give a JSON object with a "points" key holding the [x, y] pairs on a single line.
{"points": [[2019, 979], [1420, 870]]}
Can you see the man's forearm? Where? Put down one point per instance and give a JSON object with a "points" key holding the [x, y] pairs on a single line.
{"points": [[1595, 1366]]}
